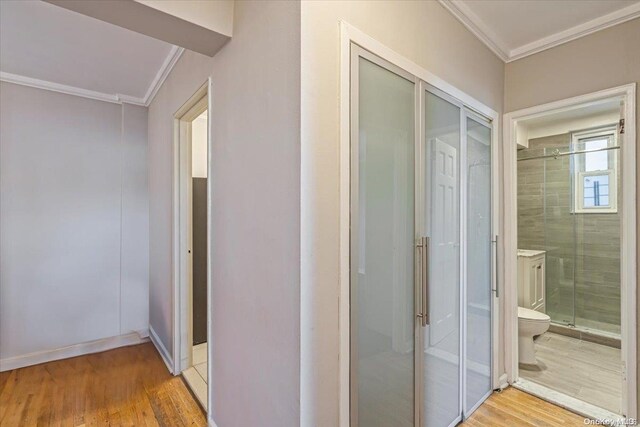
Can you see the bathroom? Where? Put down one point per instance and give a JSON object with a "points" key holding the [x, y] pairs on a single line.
{"points": [[569, 215]]}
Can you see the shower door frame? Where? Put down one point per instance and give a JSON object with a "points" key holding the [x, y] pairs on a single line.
{"points": [[628, 246], [350, 35]]}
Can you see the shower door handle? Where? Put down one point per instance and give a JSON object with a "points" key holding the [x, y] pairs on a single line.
{"points": [[422, 280]]}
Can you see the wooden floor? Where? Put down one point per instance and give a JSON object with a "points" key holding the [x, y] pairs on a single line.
{"points": [[514, 408], [129, 386]]}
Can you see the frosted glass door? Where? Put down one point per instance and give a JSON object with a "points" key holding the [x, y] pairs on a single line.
{"points": [[382, 244], [479, 262], [441, 216]]}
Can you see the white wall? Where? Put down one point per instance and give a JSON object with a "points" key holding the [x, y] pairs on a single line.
{"points": [[73, 218], [255, 236], [427, 34]]}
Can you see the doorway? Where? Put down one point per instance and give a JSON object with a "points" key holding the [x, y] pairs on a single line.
{"points": [[192, 221], [422, 250], [570, 250]]}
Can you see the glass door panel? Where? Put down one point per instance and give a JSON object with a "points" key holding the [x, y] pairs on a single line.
{"points": [[479, 262], [441, 216], [382, 245]]}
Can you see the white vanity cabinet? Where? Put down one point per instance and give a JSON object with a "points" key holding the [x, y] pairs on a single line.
{"points": [[531, 272]]}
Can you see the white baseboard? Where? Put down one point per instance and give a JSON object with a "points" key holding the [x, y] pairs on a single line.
{"points": [[166, 356], [75, 350], [502, 381]]}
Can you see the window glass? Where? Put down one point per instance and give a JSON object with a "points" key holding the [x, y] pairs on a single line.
{"points": [[596, 161], [596, 190]]}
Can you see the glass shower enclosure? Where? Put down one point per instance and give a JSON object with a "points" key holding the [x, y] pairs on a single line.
{"points": [[567, 206]]}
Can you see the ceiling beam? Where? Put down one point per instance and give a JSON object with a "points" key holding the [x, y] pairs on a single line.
{"points": [[203, 27]]}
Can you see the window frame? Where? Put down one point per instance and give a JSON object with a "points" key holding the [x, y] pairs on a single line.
{"points": [[578, 173]]}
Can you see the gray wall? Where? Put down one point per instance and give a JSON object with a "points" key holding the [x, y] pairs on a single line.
{"points": [[583, 249], [567, 70], [255, 236], [73, 219]]}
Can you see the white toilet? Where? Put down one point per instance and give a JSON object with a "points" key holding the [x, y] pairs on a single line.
{"points": [[530, 324]]}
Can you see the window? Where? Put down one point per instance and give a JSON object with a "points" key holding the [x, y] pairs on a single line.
{"points": [[595, 171]]}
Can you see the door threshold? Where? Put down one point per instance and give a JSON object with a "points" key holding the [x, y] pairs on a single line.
{"points": [[567, 402], [197, 385]]}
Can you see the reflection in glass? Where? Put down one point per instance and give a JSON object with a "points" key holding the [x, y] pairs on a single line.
{"points": [[442, 217]]}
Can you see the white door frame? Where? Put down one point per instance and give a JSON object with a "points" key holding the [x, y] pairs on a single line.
{"points": [[628, 231], [348, 35], [182, 271]]}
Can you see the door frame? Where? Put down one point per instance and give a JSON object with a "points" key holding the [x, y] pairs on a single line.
{"points": [[349, 35], [199, 102], [628, 228]]}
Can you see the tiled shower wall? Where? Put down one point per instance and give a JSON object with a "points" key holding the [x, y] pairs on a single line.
{"points": [[583, 250]]}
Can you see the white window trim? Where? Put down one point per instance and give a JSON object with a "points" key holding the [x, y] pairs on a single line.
{"points": [[578, 175]]}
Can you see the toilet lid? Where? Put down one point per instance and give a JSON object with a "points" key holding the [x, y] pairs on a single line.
{"points": [[527, 313]]}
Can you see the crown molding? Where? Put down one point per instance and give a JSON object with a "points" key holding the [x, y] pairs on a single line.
{"points": [[57, 87], [168, 64], [609, 20], [474, 24], [162, 74]]}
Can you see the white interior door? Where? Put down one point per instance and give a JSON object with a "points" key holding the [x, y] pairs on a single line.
{"points": [[445, 234]]}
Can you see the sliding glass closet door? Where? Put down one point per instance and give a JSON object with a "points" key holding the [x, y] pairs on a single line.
{"points": [[441, 219], [382, 244], [420, 251], [479, 262]]}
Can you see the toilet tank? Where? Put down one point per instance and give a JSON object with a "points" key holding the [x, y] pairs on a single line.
{"points": [[531, 279]]}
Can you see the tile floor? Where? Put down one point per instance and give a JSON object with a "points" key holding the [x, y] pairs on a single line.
{"points": [[587, 371], [199, 357], [196, 375]]}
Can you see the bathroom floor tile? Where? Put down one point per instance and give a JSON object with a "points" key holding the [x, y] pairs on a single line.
{"points": [[585, 370]]}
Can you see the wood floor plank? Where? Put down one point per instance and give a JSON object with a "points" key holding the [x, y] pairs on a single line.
{"points": [[513, 407], [128, 386]]}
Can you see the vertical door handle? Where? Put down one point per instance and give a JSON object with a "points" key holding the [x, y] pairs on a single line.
{"points": [[496, 266], [419, 268], [425, 281]]}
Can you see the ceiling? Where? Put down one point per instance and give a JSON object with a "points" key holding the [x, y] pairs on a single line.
{"points": [[517, 28], [46, 46]]}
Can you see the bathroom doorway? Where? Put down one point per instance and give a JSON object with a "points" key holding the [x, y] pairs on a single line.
{"points": [[570, 298], [192, 226]]}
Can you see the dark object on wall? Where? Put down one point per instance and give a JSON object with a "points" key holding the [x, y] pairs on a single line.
{"points": [[199, 256]]}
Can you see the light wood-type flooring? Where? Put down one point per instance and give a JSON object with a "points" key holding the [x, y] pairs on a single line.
{"points": [[515, 408], [128, 386], [131, 386]]}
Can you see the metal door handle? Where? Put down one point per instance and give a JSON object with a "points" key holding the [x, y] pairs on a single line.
{"points": [[496, 266], [425, 281], [418, 278], [422, 280]]}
